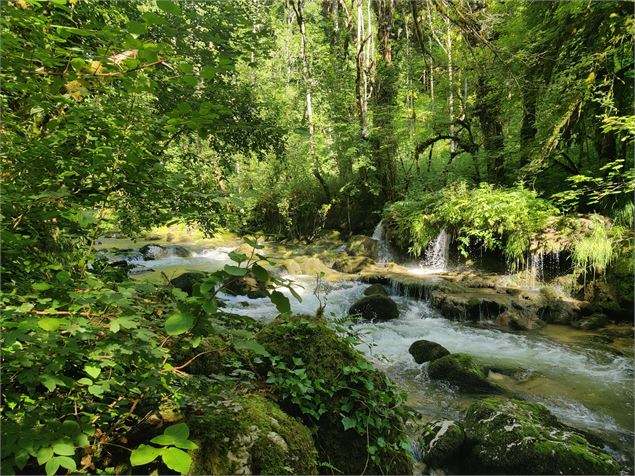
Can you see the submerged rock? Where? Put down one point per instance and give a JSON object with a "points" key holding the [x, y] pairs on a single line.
{"points": [[463, 371], [375, 289], [425, 351], [251, 435], [517, 437], [440, 441], [351, 385], [362, 245], [375, 306]]}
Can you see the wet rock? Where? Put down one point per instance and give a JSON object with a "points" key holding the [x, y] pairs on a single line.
{"points": [[375, 306], [362, 245], [462, 371], [519, 321], [246, 285], [516, 437], [154, 251], [352, 264], [592, 322], [304, 265], [440, 441], [375, 289], [186, 281], [425, 351], [251, 435]]}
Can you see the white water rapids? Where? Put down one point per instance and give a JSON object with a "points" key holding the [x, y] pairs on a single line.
{"points": [[585, 387]]}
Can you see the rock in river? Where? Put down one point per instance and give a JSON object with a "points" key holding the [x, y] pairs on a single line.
{"points": [[463, 371], [375, 307], [517, 437], [440, 441], [426, 351]]}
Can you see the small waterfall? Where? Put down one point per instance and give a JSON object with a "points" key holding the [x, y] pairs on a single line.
{"points": [[384, 255], [436, 256]]}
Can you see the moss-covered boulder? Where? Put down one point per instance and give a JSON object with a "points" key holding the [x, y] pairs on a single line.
{"points": [[375, 289], [517, 437], [426, 351], [351, 405], [592, 322], [153, 251], [440, 441], [462, 371], [246, 285], [375, 306], [362, 245], [251, 435], [186, 281], [352, 264]]}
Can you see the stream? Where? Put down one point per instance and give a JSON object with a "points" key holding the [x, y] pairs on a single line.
{"points": [[585, 385]]}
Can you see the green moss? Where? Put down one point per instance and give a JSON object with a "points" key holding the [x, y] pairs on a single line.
{"points": [[251, 435], [426, 351], [463, 371], [339, 382], [440, 441], [520, 437]]}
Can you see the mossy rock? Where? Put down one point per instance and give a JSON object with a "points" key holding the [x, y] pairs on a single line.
{"points": [[375, 306], [152, 252], [592, 322], [186, 281], [349, 378], [352, 264], [426, 351], [517, 437], [251, 435], [440, 441], [246, 285], [375, 289], [362, 245], [463, 371]]}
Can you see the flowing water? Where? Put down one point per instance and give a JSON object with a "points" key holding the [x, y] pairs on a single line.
{"points": [[585, 386], [384, 253]]}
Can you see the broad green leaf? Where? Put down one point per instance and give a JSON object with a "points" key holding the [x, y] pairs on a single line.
{"points": [[348, 423], [260, 273], [137, 27], [208, 72], [177, 460], [52, 466], [180, 431], [144, 454], [63, 276], [51, 382], [66, 462], [96, 390], [242, 344], [64, 448], [41, 286], [115, 326], [281, 302], [92, 371], [49, 324], [210, 306], [44, 455], [237, 257], [179, 323], [253, 243], [169, 7], [235, 270], [154, 19]]}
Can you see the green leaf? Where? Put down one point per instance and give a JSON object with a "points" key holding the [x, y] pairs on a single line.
{"points": [[179, 323], [169, 7], [237, 257], [348, 423], [208, 72], [92, 371], [260, 273], [44, 455], [252, 243], [64, 448], [281, 302], [180, 431], [177, 460], [63, 276], [49, 324], [154, 19], [163, 440], [137, 27], [52, 466], [242, 344], [144, 454], [85, 381], [41, 286], [210, 306], [235, 270], [51, 382], [66, 462], [96, 390]]}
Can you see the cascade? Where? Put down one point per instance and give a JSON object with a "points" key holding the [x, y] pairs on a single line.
{"points": [[384, 255], [436, 256]]}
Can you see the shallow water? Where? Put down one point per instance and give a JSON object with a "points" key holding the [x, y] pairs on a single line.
{"points": [[585, 385]]}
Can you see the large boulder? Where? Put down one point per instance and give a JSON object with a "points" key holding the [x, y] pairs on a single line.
{"points": [[592, 322], [426, 351], [516, 437], [362, 245], [251, 435], [153, 251], [337, 384], [462, 371], [440, 441], [246, 285], [375, 306]]}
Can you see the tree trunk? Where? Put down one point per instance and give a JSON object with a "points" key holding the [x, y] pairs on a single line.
{"points": [[489, 118], [451, 89], [298, 9], [361, 79]]}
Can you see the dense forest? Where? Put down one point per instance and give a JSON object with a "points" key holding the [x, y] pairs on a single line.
{"points": [[493, 135]]}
